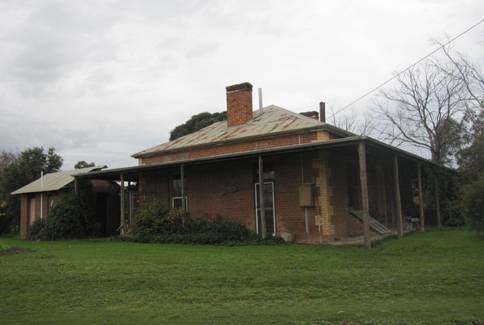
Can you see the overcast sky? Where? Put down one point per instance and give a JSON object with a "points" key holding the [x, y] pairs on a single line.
{"points": [[101, 80]]}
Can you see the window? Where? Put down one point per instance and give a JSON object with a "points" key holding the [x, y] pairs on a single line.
{"points": [[176, 196], [176, 202]]}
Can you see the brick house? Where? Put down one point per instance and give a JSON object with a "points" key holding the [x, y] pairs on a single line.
{"points": [[320, 183]]}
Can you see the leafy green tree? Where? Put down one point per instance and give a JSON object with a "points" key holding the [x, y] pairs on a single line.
{"points": [[19, 170], [197, 122], [83, 164], [471, 159]]}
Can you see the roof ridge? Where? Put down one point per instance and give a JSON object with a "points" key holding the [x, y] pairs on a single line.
{"points": [[299, 115]]}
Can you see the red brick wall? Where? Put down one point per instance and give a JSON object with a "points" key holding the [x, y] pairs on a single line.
{"points": [[227, 190], [239, 104], [289, 214], [231, 148]]}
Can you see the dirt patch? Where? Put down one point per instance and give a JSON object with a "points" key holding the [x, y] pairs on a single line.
{"points": [[13, 251]]}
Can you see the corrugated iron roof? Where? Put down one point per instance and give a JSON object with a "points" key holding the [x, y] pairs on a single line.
{"points": [[54, 181], [272, 120]]}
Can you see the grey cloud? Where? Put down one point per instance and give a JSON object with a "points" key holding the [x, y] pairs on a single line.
{"points": [[100, 80], [202, 49]]}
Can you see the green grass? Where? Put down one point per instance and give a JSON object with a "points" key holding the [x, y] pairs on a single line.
{"points": [[435, 277]]}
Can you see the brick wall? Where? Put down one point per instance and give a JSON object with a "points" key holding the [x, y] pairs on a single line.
{"points": [[239, 104], [234, 147], [227, 190]]}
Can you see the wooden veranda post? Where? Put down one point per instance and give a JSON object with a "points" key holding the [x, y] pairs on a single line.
{"points": [[420, 197], [398, 201], [182, 188], [365, 206], [262, 210], [121, 192], [437, 200]]}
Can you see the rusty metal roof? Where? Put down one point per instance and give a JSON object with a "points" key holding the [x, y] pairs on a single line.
{"points": [[272, 120], [54, 181]]}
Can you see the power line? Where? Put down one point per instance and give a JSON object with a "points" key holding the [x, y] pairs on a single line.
{"points": [[407, 68]]}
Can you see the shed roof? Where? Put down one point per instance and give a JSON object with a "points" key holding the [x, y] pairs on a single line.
{"points": [[54, 181], [272, 120]]}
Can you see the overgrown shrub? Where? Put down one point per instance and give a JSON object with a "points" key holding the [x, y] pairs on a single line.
{"points": [[38, 230], [473, 203], [153, 223], [453, 214], [66, 220]]}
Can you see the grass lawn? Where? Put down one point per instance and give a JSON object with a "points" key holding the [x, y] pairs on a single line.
{"points": [[435, 277]]}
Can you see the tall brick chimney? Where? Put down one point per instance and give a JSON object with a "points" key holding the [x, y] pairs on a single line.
{"points": [[239, 104]]}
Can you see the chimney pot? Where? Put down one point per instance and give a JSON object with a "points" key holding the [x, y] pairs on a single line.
{"points": [[322, 112], [239, 103]]}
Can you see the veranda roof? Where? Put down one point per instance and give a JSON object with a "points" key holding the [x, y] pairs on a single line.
{"points": [[114, 173]]}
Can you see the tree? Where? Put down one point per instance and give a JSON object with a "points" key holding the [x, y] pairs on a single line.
{"points": [[467, 73], [53, 162], [471, 159], [6, 159], [425, 110], [354, 123], [19, 170], [83, 164], [32, 161], [197, 122]]}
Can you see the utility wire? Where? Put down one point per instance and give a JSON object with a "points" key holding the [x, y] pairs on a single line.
{"points": [[407, 68]]}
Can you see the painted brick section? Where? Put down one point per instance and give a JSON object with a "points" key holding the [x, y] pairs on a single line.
{"points": [[232, 148], [325, 194]]}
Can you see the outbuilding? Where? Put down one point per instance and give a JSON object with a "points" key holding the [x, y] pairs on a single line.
{"points": [[39, 196]]}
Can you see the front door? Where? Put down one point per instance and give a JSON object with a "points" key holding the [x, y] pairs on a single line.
{"points": [[270, 213]]}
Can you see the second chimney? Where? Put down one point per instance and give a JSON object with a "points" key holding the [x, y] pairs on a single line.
{"points": [[322, 112], [239, 104]]}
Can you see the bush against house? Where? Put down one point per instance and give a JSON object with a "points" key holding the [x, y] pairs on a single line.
{"points": [[154, 223], [67, 219]]}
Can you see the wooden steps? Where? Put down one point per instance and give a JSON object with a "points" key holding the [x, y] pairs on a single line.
{"points": [[375, 225]]}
